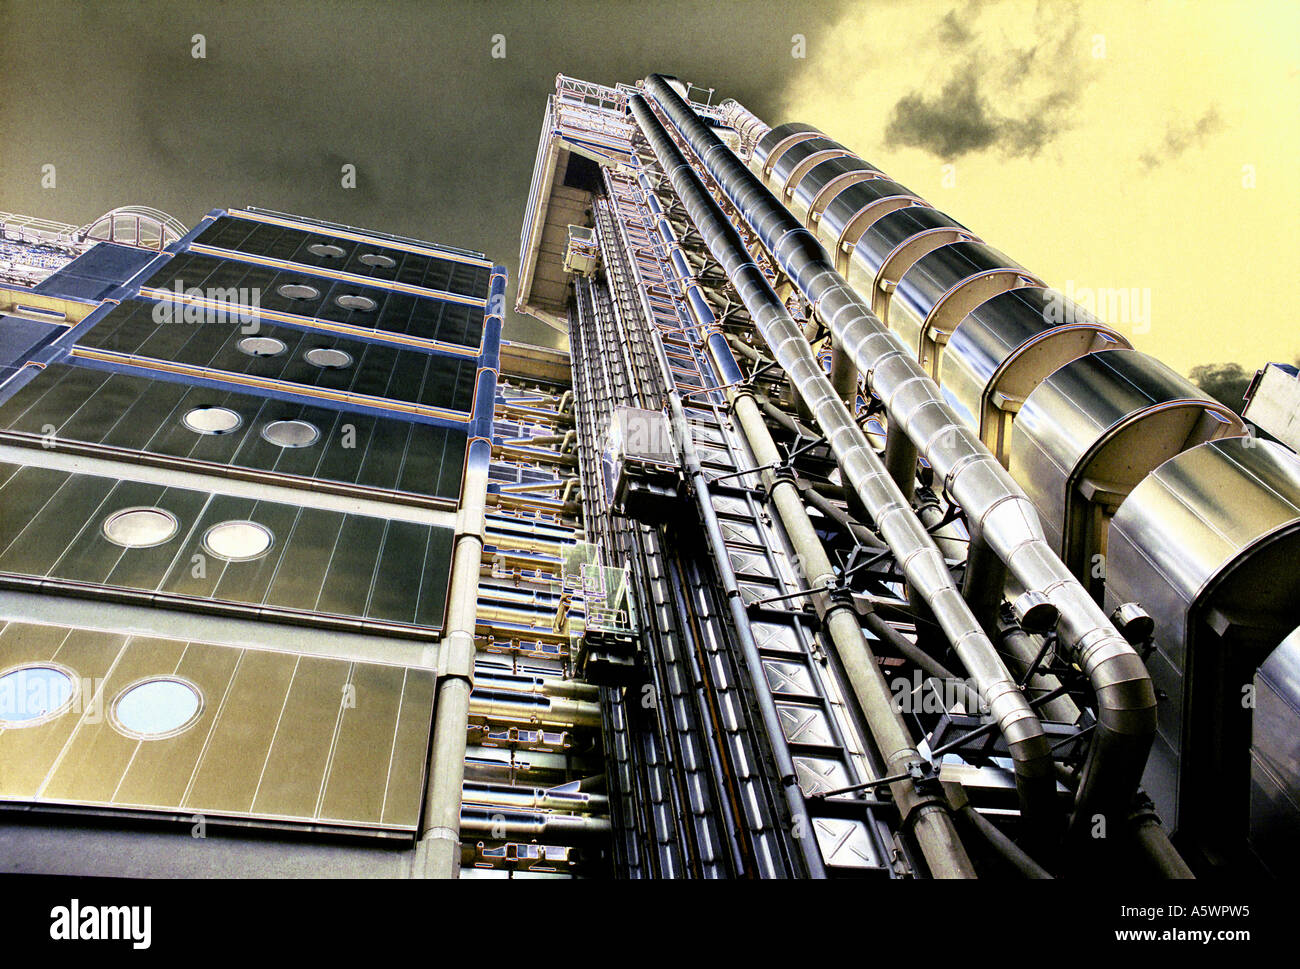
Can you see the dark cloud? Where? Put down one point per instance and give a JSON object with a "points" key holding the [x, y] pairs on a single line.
{"points": [[442, 135], [982, 105], [1180, 137], [959, 120], [953, 30], [1225, 382]]}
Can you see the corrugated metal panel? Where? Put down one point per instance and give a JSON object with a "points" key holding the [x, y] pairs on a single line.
{"points": [[276, 736]]}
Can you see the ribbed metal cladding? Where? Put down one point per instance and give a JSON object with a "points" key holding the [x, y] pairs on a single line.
{"points": [[917, 555], [1005, 344], [853, 210], [779, 139], [995, 506], [794, 164], [827, 178], [903, 229]]}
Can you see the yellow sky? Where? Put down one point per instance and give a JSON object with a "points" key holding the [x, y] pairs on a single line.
{"points": [[1218, 258]]}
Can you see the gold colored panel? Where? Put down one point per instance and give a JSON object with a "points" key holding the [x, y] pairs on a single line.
{"points": [[28, 753], [97, 756], [354, 790], [231, 767], [26, 643], [279, 735], [410, 751], [299, 758], [161, 770]]}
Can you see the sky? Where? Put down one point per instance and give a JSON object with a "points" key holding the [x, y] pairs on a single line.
{"points": [[1140, 155], [1144, 156]]}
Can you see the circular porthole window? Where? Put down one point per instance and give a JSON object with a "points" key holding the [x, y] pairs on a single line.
{"points": [[298, 291], [34, 694], [328, 359], [351, 301], [291, 433], [156, 708], [378, 261], [261, 346], [212, 420], [326, 250], [140, 527], [238, 541]]}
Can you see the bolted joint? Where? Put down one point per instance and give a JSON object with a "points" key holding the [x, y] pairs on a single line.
{"points": [[783, 472], [840, 594], [922, 789], [1133, 623], [1143, 810]]}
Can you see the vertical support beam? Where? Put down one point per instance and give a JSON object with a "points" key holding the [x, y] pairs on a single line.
{"points": [[900, 460], [844, 375], [437, 854], [985, 581], [927, 814]]}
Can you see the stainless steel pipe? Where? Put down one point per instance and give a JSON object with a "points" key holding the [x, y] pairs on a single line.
{"points": [[995, 506], [437, 853], [917, 555]]}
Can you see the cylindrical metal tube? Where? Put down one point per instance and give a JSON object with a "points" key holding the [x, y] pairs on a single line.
{"points": [[918, 557], [1022, 650], [525, 826], [1159, 850], [1004, 846], [994, 504], [932, 825], [506, 707], [438, 852]]}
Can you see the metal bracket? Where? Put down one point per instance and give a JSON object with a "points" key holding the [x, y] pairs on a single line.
{"points": [[921, 772], [457, 654], [803, 448]]}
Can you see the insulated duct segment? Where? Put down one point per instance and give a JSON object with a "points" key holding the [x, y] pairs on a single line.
{"points": [[917, 555], [998, 511], [1093, 430], [1000, 352], [1219, 579]]}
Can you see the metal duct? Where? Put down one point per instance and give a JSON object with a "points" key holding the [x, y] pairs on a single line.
{"points": [[918, 557], [1093, 430], [824, 180], [936, 292], [747, 124], [998, 511], [893, 244], [1001, 351], [438, 853], [1200, 566]]}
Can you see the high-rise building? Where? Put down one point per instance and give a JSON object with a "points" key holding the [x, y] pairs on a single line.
{"points": [[934, 574], [837, 543], [250, 483]]}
